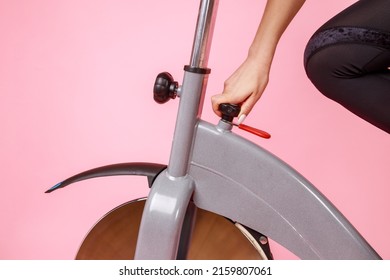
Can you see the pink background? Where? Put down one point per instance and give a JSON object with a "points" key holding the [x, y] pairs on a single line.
{"points": [[76, 83]]}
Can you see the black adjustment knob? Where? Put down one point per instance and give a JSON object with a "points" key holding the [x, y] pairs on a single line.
{"points": [[165, 88], [229, 111]]}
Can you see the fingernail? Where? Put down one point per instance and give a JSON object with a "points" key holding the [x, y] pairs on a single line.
{"points": [[241, 119]]}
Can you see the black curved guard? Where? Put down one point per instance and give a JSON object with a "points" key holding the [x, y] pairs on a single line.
{"points": [[150, 170]]}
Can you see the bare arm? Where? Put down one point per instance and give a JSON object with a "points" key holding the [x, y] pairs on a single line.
{"points": [[246, 85]]}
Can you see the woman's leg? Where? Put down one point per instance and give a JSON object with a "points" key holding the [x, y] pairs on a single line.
{"points": [[348, 60]]}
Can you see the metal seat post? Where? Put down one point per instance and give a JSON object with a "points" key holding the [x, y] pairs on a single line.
{"points": [[204, 33]]}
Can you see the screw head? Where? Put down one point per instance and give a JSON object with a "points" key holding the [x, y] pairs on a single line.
{"points": [[263, 240]]}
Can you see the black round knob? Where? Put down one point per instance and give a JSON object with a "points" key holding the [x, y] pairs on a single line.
{"points": [[164, 88], [229, 111]]}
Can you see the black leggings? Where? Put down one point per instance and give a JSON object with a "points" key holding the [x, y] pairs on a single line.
{"points": [[348, 60]]}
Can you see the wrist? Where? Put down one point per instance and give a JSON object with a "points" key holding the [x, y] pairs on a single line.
{"points": [[260, 61], [261, 55]]}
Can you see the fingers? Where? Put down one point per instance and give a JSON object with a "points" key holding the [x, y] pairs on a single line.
{"points": [[216, 100], [246, 106], [215, 103]]}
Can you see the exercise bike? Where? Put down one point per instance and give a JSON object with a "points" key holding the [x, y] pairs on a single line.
{"points": [[216, 185]]}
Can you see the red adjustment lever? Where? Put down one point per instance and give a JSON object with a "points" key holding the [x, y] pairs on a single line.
{"points": [[254, 131], [230, 111]]}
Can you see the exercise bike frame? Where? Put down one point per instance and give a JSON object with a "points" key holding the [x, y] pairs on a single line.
{"points": [[224, 173]]}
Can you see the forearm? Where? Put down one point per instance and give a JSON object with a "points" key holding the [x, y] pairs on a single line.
{"points": [[277, 16]]}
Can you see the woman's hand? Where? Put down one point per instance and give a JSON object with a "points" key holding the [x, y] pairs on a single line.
{"points": [[248, 82], [245, 87]]}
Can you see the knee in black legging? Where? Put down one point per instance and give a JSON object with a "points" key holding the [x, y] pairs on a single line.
{"points": [[348, 60], [354, 74], [335, 56], [330, 67]]}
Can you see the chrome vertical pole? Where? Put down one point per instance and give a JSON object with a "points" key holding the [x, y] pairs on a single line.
{"points": [[204, 33]]}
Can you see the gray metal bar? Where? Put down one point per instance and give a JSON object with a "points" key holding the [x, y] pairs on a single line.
{"points": [[162, 219], [241, 181], [192, 91]]}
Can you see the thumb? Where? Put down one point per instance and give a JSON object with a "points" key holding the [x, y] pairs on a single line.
{"points": [[247, 106]]}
